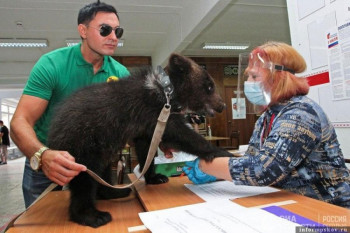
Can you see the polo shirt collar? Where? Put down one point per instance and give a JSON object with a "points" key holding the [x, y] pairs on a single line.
{"points": [[82, 62], [105, 62], [80, 59]]}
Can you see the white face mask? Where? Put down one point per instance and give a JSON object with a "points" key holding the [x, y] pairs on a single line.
{"points": [[255, 93]]}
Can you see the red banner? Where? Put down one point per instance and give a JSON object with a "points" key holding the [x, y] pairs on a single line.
{"points": [[318, 79]]}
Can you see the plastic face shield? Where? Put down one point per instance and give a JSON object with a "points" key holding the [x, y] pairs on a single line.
{"points": [[252, 68]]}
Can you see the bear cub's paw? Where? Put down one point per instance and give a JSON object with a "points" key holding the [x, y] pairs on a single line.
{"points": [[157, 179], [92, 218]]}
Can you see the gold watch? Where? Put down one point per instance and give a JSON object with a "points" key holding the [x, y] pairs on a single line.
{"points": [[35, 160]]}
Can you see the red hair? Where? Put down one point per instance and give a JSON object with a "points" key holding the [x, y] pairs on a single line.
{"points": [[283, 84]]}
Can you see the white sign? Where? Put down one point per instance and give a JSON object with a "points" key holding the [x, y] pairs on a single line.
{"points": [[238, 108]]}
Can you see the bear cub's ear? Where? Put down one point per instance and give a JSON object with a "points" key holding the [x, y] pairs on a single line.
{"points": [[179, 63]]}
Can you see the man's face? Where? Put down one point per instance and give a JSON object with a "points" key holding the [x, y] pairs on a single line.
{"points": [[97, 43]]}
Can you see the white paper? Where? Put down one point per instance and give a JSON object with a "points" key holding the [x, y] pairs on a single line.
{"points": [[178, 156], [238, 108], [219, 216], [306, 8], [227, 190], [317, 43], [338, 60]]}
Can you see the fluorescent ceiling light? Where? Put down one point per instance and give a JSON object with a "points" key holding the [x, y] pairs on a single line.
{"points": [[226, 46], [72, 42], [120, 43], [23, 43]]}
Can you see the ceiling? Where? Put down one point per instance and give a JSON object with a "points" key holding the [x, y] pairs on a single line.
{"points": [[151, 28]]}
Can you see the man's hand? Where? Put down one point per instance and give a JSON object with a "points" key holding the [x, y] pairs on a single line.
{"points": [[60, 167], [195, 174]]}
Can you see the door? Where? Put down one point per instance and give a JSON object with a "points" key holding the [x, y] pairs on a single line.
{"points": [[244, 126]]}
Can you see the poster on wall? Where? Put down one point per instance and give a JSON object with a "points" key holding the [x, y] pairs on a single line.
{"points": [[310, 23], [338, 59], [238, 108], [320, 31]]}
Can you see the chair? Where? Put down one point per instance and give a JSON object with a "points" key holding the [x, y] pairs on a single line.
{"points": [[119, 166], [234, 140], [125, 154], [234, 136]]}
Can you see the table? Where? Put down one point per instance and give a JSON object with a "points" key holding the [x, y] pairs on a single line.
{"points": [[216, 139], [174, 193], [237, 153], [50, 214]]}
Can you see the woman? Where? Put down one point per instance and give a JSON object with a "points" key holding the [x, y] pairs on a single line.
{"points": [[293, 145]]}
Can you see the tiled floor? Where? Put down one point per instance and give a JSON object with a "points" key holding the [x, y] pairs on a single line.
{"points": [[11, 198]]}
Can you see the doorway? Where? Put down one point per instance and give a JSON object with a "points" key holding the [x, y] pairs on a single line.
{"points": [[245, 126]]}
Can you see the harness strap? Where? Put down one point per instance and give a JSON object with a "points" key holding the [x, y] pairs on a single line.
{"points": [[157, 136]]}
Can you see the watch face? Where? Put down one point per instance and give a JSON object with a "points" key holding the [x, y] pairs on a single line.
{"points": [[34, 163]]}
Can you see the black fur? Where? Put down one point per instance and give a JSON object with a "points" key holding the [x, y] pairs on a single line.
{"points": [[97, 121]]}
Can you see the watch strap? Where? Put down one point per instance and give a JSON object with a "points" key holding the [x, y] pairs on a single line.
{"points": [[37, 155], [41, 151]]}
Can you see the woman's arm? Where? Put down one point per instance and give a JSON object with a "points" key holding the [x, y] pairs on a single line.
{"points": [[218, 168], [293, 137]]}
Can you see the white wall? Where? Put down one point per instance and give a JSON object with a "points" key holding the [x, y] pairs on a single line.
{"points": [[11, 93], [310, 22], [343, 137]]}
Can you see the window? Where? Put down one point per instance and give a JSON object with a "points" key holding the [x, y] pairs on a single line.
{"points": [[8, 107]]}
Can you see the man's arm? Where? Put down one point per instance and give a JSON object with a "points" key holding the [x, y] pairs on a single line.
{"points": [[58, 166], [28, 111]]}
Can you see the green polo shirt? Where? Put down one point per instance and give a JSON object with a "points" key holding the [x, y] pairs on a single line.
{"points": [[59, 73]]}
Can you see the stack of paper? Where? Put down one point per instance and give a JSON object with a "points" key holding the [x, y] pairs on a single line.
{"points": [[216, 216]]}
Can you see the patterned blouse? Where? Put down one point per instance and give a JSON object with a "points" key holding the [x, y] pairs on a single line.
{"points": [[299, 153]]}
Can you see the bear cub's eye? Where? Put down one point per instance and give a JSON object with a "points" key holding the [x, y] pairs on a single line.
{"points": [[210, 89]]}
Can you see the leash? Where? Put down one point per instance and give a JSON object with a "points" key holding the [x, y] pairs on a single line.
{"points": [[157, 136], [46, 191]]}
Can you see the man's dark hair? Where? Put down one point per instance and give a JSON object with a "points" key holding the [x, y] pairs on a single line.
{"points": [[1, 122], [88, 12]]}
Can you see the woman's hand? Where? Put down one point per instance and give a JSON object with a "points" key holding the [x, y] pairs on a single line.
{"points": [[195, 174]]}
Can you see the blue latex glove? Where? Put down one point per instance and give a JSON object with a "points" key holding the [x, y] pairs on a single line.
{"points": [[195, 174]]}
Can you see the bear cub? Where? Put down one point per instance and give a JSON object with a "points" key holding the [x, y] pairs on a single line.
{"points": [[96, 122]]}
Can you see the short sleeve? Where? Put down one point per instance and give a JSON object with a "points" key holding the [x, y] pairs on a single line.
{"points": [[41, 79]]}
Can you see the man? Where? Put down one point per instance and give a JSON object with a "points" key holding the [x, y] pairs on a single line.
{"points": [[4, 142], [55, 76]]}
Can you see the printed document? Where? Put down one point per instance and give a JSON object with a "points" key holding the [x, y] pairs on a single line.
{"points": [[227, 190], [222, 216]]}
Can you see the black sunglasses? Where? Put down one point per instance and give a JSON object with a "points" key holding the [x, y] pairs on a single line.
{"points": [[106, 29]]}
